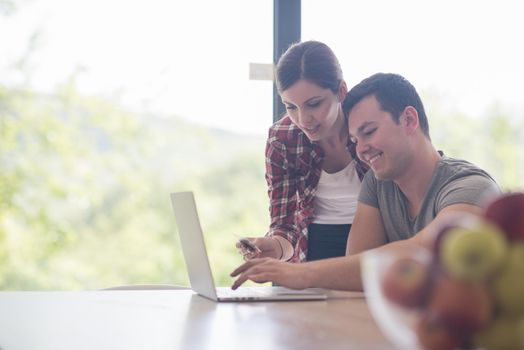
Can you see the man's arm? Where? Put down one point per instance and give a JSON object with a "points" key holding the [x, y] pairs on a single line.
{"points": [[367, 230], [426, 236], [337, 273], [349, 267]]}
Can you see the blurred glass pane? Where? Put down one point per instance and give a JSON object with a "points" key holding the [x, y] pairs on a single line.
{"points": [[462, 56], [106, 107]]}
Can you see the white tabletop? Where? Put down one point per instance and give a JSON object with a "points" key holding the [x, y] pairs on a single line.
{"points": [[179, 319]]}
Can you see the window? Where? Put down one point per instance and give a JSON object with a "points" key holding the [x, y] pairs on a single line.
{"points": [[105, 108], [463, 58]]}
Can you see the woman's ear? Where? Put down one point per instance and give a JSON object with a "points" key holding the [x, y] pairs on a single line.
{"points": [[410, 119], [342, 91]]}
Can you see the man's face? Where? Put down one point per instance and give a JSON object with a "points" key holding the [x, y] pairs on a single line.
{"points": [[381, 142]]}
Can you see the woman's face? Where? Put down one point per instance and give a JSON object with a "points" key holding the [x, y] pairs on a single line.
{"points": [[314, 109]]}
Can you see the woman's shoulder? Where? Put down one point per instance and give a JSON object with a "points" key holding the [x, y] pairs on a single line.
{"points": [[283, 124], [287, 138], [285, 131]]}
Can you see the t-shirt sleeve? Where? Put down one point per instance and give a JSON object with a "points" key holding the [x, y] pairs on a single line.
{"points": [[474, 189], [368, 190]]}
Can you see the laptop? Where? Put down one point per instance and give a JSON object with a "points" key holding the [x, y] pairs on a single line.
{"points": [[199, 270]]}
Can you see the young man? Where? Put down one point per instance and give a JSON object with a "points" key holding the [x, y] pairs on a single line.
{"points": [[410, 189]]}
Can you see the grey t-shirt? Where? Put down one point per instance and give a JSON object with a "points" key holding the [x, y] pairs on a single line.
{"points": [[454, 181]]}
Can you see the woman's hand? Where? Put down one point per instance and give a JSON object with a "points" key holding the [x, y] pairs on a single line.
{"points": [[259, 247]]}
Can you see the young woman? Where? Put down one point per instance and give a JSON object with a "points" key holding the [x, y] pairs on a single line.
{"points": [[312, 171]]}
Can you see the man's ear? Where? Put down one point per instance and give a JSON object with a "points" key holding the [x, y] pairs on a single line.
{"points": [[410, 119], [342, 91]]}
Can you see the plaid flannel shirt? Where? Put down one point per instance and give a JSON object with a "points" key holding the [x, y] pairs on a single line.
{"points": [[293, 167]]}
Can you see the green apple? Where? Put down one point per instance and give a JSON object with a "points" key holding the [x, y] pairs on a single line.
{"points": [[500, 334], [473, 253], [446, 224], [509, 283]]}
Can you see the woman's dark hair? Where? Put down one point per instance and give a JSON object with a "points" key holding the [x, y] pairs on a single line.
{"points": [[309, 60]]}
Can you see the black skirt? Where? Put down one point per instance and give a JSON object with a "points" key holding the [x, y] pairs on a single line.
{"points": [[327, 241]]}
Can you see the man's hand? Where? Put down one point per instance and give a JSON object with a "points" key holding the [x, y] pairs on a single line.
{"points": [[263, 270]]}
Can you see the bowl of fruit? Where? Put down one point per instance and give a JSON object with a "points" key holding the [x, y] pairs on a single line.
{"points": [[464, 292]]}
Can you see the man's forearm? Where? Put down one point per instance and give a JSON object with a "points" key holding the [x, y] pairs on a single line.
{"points": [[341, 273], [344, 273]]}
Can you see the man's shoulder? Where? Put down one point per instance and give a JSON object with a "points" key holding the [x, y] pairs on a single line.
{"points": [[461, 182], [453, 168]]}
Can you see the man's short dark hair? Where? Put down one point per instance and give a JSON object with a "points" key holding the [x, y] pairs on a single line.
{"points": [[393, 92]]}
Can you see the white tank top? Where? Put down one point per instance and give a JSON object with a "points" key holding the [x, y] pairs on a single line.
{"points": [[336, 197]]}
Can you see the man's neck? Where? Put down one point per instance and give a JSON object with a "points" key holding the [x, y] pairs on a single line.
{"points": [[415, 181]]}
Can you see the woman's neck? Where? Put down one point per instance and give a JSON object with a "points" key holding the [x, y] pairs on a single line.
{"points": [[336, 155], [338, 137]]}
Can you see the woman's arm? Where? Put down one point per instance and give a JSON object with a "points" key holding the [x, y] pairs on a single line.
{"points": [[282, 192]]}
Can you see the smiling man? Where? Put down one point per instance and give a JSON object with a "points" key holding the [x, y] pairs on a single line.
{"points": [[411, 187]]}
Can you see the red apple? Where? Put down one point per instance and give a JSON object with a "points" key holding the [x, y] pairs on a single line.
{"points": [[507, 211], [405, 282], [461, 304], [433, 335]]}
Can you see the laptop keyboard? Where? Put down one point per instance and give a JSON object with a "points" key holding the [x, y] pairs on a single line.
{"points": [[250, 292], [247, 292]]}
